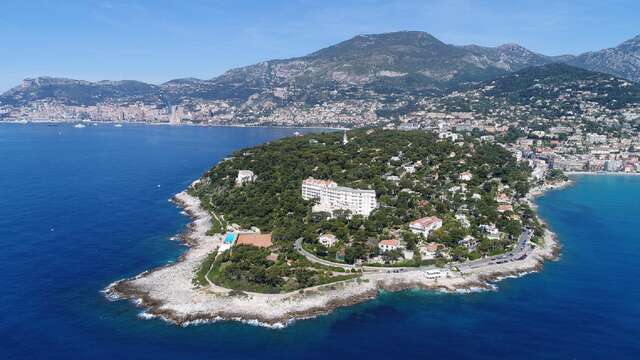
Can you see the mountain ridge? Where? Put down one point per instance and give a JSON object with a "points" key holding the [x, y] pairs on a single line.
{"points": [[365, 76], [404, 60]]}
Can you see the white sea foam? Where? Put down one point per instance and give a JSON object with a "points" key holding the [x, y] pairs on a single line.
{"points": [[146, 316]]}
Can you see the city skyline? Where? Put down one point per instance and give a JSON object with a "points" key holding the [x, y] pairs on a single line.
{"points": [[158, 41]]}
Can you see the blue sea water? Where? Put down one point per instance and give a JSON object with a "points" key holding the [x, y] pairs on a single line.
{"points": [[80, 208]]}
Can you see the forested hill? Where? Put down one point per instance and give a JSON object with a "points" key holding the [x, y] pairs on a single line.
{"points": [[553, 82], [273, 201]]}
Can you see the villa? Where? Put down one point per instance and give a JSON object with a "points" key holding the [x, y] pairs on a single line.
{"points": [[491, 230], [245, 176], [462, 219], [425, 225], [428, 251], [327, 240], [389, 245], [466, 176], [469, 242]]}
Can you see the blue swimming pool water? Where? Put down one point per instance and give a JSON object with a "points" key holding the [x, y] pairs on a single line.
{"points": [[230, 238]]}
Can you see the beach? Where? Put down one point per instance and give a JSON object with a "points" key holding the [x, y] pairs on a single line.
{"points": [[169, 293]]}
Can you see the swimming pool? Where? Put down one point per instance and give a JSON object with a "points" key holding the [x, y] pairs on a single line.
{"points": [[230, 238]]}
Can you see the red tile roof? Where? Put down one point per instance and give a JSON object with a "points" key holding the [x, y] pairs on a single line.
{"points": [[390, 242], [426, 221]]}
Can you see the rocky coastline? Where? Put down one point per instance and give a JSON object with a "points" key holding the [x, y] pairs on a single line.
{"points": [[168, 293]]}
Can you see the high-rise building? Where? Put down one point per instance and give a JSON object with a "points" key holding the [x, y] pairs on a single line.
{"points": [[333, 197]]}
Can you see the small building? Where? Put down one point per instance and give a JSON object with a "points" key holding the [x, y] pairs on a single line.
{"points": [[428, 251], [245, 176], [425, 225], [504, 208], [491, 230], [462, 219], [389, 245], [503, 199], [257, 240], [469, 242], [392, 178], [409, 168], [328, 240], [466, 176]]}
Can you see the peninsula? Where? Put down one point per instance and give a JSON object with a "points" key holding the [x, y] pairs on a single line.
{"points": [[300, 226]]}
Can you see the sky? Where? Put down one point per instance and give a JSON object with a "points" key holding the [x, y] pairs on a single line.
{"points": [[159, 40]]}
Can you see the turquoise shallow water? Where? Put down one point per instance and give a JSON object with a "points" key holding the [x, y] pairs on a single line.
{"points": [[81, 208]]}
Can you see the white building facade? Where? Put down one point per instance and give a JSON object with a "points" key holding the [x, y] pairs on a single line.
{"points": [[245, 176], [425, 225], [333, 197]]}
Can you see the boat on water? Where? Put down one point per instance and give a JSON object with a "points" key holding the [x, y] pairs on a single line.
{"points": [[118, 125], [79, 126]]}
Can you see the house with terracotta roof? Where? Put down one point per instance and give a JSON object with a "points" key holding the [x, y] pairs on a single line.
{"points": [[504, 208], [425, 225], [252, 239], [389, 244], [428, 251]]}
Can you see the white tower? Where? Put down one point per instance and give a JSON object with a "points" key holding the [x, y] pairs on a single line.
{"points": [[345, 140]]}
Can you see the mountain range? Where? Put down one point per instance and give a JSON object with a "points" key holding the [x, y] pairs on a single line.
{"points": [[394, 64]]}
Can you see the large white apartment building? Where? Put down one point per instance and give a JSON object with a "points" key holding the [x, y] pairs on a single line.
{"points": [[333, 197]]}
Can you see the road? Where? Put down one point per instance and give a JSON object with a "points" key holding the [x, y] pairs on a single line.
{"points": [[520, 251], [311, 257]]}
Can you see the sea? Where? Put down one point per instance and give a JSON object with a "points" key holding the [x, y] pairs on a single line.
{"points": [[81, 208]]}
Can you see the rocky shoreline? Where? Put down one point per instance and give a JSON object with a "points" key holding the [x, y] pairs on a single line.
{"points": [[168, 293]]}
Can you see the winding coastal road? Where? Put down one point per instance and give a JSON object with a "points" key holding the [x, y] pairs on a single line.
{"points": [[520, 252]]}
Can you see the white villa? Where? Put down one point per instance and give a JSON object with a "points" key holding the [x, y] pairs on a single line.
{"points": [[328, 240], [425, 225], [245, 176], [333, 197], [491, 230], [466, 176]]}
